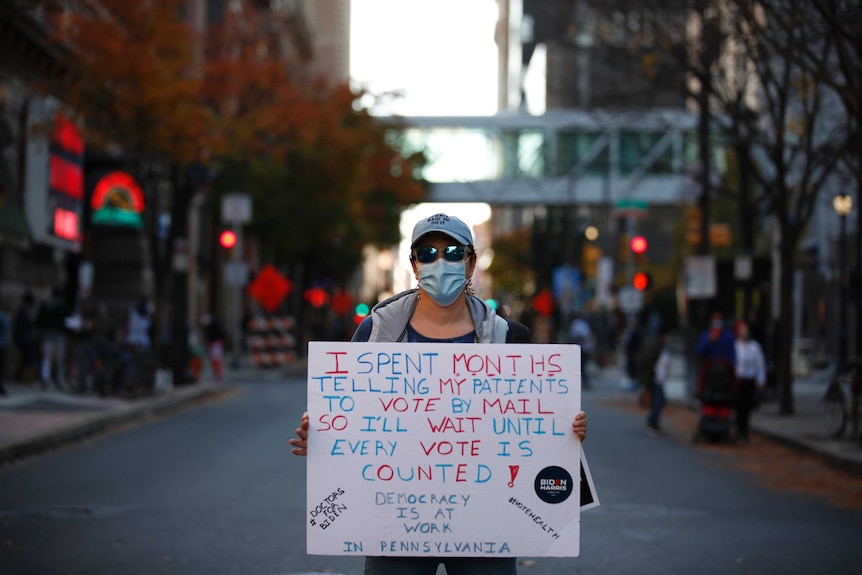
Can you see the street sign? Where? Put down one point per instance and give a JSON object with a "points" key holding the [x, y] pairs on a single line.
{"points": [[235, 273], [236, 208], [631, 208], [742, 267], [700, 280], [180, 255], [630, 299], [269, 288]]}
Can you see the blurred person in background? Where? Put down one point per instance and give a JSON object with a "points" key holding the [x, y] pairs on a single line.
{"points": [[51, 324], [215, 337], [632, 343], [93, 346], [716, 341], [653, 372], [751, 378], [138, 325], [581, 334]]}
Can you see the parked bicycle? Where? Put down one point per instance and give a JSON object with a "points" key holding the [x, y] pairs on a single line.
{"points": [[841, 402]]}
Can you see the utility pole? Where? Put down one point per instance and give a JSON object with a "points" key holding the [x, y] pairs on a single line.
{"points": [[179, 356], [706, 54], [236, 211], [699, 306]]}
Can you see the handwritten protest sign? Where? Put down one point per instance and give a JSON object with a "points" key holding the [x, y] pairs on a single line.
{"points": [[443, 450]]}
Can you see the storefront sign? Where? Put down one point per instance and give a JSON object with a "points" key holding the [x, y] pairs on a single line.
{"points": [[54, 199], [117, 201]]}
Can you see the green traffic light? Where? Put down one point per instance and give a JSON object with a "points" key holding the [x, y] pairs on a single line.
{"points": [[362, 309]]}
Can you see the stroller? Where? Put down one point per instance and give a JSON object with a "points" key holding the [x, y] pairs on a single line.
{"points": [[717, 390]]}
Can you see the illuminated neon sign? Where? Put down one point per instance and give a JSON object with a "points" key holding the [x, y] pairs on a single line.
{"points": [[65, 179], [117, 201], [66, 224]]}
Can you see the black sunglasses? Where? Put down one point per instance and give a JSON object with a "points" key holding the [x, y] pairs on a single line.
{"points": [[429, 254]]}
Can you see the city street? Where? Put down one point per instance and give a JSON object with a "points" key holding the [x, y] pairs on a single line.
{"points": [[213, 489]]}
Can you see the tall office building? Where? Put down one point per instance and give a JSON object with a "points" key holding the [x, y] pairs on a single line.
{"points": [[586, 54], [329, 26]]}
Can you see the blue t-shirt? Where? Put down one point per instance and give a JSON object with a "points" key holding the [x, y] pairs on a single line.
{"points": [[363, 332]]}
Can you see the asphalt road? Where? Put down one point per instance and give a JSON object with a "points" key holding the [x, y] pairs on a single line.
{"points": [[214, 490]]}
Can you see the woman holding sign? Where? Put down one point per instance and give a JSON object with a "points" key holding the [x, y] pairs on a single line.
{"points": [[443, 309]]}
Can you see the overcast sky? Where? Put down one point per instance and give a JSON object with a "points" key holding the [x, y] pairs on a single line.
{"points": [[439, 53]]}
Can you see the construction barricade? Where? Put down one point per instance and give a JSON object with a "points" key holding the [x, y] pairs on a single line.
{"points": [[270, 342]]}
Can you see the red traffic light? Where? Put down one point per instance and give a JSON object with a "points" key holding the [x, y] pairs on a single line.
{"points": [[640, 281], [638, 244], [227, 239], [316, 296]]}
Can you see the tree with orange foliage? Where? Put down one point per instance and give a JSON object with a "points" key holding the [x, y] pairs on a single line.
{"points": [[135, 85], [135, 82], [326, 177]]}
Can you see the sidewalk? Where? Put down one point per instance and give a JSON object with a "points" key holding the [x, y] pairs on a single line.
{"points": [[804, 430], [34, 421]]}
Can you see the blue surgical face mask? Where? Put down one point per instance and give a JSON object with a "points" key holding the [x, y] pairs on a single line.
{"points": [[443, 281]]}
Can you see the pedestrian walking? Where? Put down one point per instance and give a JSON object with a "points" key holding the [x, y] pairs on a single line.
{"points": [[653, 371], [442, 309], [51, 323], [751, 378], [138, 325], [215, 336], [716, 341], [716, 344], [580, 333], [632, 343]]}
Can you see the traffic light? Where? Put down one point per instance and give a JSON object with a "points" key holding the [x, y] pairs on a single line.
{"points": [[360, 312], [227, 239], [641, 281], [638, 245], [316, 296], [693, 219]]}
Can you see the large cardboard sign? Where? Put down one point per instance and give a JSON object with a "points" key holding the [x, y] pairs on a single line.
{"points": [[443, 450]]}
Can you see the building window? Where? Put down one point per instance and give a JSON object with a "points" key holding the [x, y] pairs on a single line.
{"points": [[575, 147]]}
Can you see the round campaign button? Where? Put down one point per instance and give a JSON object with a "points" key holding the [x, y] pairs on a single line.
{"points": [[554, 484]]}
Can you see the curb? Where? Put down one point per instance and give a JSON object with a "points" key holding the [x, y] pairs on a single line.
{"points": [[95, 424], [801, 445], [833, 459]]}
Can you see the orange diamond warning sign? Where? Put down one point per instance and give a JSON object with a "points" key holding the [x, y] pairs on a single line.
{"points": [[269, 288]]}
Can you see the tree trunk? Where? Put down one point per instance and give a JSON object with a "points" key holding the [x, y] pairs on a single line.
{"points": [[784, 349], [179, 356]]}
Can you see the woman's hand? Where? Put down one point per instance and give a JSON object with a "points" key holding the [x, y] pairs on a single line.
{"points": [[300, 446], [579, 425]]}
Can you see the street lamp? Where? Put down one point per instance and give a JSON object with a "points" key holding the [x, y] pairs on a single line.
{"points": [[842, 203]]}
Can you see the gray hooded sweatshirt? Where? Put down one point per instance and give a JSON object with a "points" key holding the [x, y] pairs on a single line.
{"points": [[390, 317]]}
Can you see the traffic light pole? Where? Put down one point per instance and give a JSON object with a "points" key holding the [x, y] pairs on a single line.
{"points": [[236, 304], [236, 210]]}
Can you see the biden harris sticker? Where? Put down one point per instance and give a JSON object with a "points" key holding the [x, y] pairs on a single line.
{"points": [[554, 484]]}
